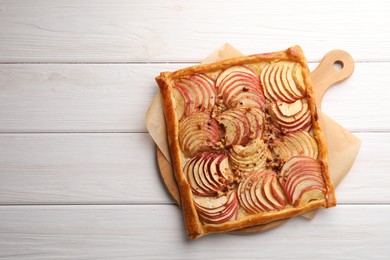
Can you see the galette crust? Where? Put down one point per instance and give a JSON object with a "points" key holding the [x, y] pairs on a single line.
{"points": [[194, 226]]}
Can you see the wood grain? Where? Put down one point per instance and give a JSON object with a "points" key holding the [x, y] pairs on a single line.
{"points": [[115, 97], [157, 232], [121, 169], [139, 31]]}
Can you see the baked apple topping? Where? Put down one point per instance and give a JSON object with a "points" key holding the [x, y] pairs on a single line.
{"points": [[239, 86], [241, 125], [216, 210], [283, 81], [249, 158], [301, 175], [260, 192], [193, 93], [293, 144], [208, 173], [197, 133], [247, 141]]}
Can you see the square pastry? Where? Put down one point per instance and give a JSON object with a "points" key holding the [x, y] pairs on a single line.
{"points": [[245, 141]]}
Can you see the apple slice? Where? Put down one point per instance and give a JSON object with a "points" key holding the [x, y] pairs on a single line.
{"points": [[240, 86], [228, 71], [243, 196], [197, 172], [282, 81], [198, 133], [286, 95], [259, 192], [277, 192], [293, 92], [296, 122], [293, 144], [215, 210], [305, 186], [267, 191], [207, 173], [260, 196], [189, 173], [298, 78], [277, 89], [241, 125], [251, 157], [300, 175], [310, 195], [289, 109], [193, 93], [294, 80], [180, 103], [236, 126]]}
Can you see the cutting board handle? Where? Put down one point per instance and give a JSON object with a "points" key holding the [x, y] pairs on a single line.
{"points": [[336, 66]]}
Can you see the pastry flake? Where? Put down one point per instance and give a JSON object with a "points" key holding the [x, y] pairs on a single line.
{"points": [[245, 141]]}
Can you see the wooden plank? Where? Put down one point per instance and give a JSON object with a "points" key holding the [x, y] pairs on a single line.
{"points": [[76, 98], [79, 168], [123, 31], [156, 231], [121, 169], [115, 97]]}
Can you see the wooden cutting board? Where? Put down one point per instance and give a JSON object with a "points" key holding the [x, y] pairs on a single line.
{"points": [[335, 66]]}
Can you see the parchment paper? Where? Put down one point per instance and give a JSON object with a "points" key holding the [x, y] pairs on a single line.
{"points": [[343, 146]]}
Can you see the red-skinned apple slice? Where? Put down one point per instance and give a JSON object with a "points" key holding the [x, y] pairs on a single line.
{"points": [[238, 85], [197, 133], [305, 186], [260, 196], [223, 169], [283, 81], [293, 144], [267, 191], [299, 175], [242, 195], [286, 95], [217, 210], [197, 171], [297, 160], [291, 77], [290, 88], [308, 142], [260, 192], [293, 184], [257, 180], [277, 192], [234, 69], [204, 174], [265, 76], [236, 126], [207, 173], [241, 125], [211, 170], [189, 171], [280, 118], [194, 93], [274, 76], [300, 121]]}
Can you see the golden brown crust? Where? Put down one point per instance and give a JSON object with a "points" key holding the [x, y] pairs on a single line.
{"points": [[194, 226]]}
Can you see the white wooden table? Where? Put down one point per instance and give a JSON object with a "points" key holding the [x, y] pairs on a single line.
{"points": [[78, 177]]}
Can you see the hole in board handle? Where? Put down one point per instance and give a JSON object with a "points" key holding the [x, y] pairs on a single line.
{"points": [[338, 65]]}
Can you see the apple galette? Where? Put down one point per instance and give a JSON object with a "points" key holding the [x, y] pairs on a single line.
{"points": [[245, 141]]}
